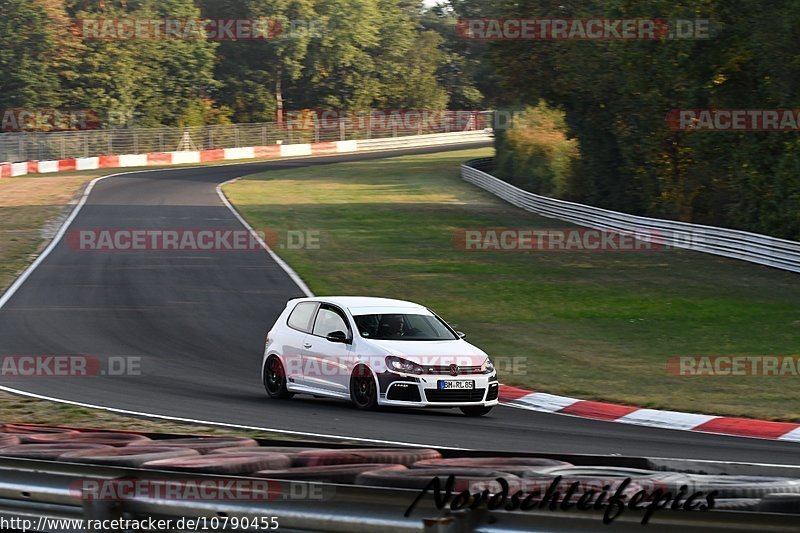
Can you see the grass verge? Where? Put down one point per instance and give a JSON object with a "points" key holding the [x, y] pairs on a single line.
{"points": [[595, 325]]}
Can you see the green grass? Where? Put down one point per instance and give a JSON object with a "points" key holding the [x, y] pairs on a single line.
{"points": [[595, 325]]}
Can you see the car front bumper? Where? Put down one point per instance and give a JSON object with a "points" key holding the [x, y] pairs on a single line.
{"points": [[411, 390]]}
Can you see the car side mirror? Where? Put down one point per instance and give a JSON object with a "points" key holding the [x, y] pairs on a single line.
{"points": [[338, 336], [461, 334]]}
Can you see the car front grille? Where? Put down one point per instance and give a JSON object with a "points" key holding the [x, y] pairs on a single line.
{"points": [[445, 369], [493, 391], [453, 395]]}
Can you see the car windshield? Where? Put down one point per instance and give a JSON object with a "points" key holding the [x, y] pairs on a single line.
{"points": [[403, 327]]}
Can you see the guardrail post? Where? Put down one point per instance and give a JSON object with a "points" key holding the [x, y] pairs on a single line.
{"points": [[463, 521], [99, 510]]}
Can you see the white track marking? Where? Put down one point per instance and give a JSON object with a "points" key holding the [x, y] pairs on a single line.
{"points": [[222, 424], [281, 263]]}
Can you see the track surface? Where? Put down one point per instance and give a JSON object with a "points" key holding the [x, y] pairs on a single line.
{"points": [[198, 321]]}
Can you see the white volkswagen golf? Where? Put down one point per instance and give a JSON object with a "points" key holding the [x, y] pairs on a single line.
{"points": [[375, 351]]}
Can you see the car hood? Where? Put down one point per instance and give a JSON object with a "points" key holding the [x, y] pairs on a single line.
{"points": [[433, 352]]}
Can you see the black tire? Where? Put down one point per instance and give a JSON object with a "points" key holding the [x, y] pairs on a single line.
{"points": [[363, 392], [475, 410], [275, 379]]}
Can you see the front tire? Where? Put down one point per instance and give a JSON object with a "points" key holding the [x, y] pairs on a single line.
{"points": [[363, 391], [275, 379], [475, 410]]}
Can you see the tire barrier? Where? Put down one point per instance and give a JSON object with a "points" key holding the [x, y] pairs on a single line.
{"points": [[744, 486], [92, 437], [287, 450], [779, 503], [49, 451], [737, 504], [24, 431], [131, 456], [223, 464], [519, 466], [9, 440], [400, 456], [204, 445], [346, 473]]}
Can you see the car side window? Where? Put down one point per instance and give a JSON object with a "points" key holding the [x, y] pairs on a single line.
{"points": [[301, 315], [329, 319]]}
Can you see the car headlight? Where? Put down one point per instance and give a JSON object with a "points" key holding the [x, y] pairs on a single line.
{"points": [[398, 364], [488, 366]]}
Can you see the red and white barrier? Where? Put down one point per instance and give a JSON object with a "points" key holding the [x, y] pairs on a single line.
{"points": [[188, 157]]}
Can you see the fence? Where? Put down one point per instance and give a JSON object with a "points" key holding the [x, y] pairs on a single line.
{"points": [[753, 247], [44, 146]]}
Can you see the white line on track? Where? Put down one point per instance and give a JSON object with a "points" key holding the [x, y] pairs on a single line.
{"points": [[222, 424]]}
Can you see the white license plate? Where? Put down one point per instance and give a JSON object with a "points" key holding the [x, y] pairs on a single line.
{"points": [[449, 384]]}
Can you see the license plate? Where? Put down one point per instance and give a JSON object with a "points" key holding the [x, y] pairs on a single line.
{"points": [[458, 385]]}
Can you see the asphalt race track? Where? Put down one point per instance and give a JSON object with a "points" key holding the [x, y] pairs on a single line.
{"points": [[198, 321]]}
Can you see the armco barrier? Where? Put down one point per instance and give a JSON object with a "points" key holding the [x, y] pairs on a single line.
{"points": [[222, 491], [8, 170], [753, 247]]}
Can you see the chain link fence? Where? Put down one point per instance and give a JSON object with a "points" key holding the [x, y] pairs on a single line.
{"points": [[306, 128]]}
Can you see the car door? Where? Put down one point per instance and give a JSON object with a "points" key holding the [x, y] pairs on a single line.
{"points": [[299, 324], [326, 364]]}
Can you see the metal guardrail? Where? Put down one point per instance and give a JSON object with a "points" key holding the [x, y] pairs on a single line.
{"points": [[752, 247], [43, 146], [38, 490]]}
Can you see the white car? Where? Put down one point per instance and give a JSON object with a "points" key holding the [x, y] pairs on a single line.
{"points": [[375, 352]]}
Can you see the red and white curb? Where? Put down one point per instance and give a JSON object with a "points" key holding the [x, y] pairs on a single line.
{"points": [[8, 170], [742, 427]]}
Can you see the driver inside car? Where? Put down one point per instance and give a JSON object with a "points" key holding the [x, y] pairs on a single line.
{"points": [[392, 326]]}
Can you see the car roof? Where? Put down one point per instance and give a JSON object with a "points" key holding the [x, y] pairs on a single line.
{"points": [[362, 303]]}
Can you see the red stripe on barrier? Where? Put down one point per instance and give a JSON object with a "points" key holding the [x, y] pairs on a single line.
{"points": [[159, 158], [323, 148], [267, 151], [599, 410], [747, 428], [212, 155], [509, 394], [33, 167], [65, 165], [108, 161], [5, 170]]}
